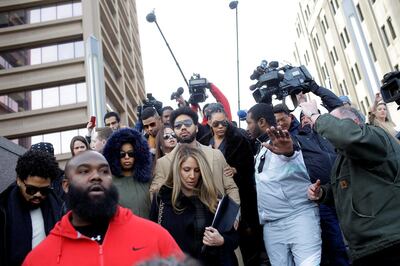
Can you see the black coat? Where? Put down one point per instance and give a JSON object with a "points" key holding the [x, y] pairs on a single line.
{"points": [[51, 211], [182, 227], [239, 154], [318, 153]]}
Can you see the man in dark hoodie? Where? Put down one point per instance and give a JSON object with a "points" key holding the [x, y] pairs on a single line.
{"points": [[285, 119], [28, 208]]}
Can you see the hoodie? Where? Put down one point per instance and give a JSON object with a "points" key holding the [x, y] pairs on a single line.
{"points": [[129, 240]]}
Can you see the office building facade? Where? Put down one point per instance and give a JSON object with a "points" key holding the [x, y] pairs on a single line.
{"points": [[349, 45], [44, 70]]}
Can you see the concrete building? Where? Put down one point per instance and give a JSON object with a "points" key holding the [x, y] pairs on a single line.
{"points": [[348, 45], [44, 73]]}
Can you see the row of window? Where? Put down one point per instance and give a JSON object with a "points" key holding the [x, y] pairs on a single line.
{"points": [[353, 73], [41, 14], [60, 140], [41, 55], [42, 98], [391, 29], [334, 6]]}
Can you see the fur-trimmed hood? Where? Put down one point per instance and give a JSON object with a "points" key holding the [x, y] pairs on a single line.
{"points": [[143, 160]]}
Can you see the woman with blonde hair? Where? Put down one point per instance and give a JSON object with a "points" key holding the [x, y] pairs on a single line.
{"points": [[186, 205], [379, 116]]}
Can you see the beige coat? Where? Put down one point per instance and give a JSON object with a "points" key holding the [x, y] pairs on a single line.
{"points": [[215, 158]]}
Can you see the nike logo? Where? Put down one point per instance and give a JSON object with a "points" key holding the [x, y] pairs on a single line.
{"points": [[137, 248]]}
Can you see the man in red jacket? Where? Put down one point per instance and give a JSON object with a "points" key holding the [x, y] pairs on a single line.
{"points": [[97, 231]]}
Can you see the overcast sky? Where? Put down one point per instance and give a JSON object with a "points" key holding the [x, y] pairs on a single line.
{"points": [[202, 35]]}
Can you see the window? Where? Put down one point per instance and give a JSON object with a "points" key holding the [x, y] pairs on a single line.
{"points": [[305, 13], [396, 67], [315, 43], [49, 54], [337, 4], [308, 9], [367, 102], [332, 58], [385, 37], [346, 35], [373, 1], [345, 87], [40, 55], [43, 98], [342, 40], [353, 75], [341, 91], [363, 107], [360, 14], [326, 22], [323, 73], [49, 13], [391, 29], [319, 44], [64, 10], [371, 48], [333, 7], [335, 53], [38, 14], [358, 71], [308, 57], [323, 26]]}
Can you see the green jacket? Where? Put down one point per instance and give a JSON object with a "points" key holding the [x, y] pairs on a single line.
{"points": [[365, 182]]}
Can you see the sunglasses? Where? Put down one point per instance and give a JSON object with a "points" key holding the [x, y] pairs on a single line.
{"points": [[187, 123], [122, 154], [223, 123], [32, 190], [153, 124], [169, 136]]}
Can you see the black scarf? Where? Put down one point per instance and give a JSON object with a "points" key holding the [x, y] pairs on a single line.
{"points": [[19, 224]]}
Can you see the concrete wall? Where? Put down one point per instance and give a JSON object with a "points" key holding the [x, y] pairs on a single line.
{"points": [[9, 153]]}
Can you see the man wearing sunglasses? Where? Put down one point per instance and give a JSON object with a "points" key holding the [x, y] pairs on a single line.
{"points": [[151, 125], [184, 122], [28, 208]]}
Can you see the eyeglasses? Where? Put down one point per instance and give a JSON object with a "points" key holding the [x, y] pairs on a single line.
{"points": [[186, 123], [130, 154], [153, 124], [223, 123], [169, 136], [32, 190]]}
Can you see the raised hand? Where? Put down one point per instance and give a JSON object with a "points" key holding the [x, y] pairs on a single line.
{"points": [[281, 142]]}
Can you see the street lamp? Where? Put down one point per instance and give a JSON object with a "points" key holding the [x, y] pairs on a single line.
{"points": [[233, 5], [151, 17]]}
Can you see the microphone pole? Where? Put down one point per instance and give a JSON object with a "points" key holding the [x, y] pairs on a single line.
{"points": [[151, 17]]}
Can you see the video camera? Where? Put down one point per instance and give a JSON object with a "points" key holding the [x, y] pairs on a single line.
{"points": [[150, 102], [390, 89], [176, 94], [283, 81], [197, 89]]}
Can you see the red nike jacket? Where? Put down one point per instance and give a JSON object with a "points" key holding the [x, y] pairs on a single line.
{"points": [[129, 240]]}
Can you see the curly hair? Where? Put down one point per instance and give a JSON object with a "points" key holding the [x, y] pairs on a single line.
{"points": [[37, 163], [143, 161]]}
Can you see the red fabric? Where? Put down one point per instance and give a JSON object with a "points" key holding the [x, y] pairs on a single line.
{"points": [[128, 241], [220, 97]]}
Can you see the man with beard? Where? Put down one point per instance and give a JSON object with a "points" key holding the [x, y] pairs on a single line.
{"points": [[28, 208], [184, 122], [97, 231]]}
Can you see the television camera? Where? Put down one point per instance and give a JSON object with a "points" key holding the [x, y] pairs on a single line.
{"points": [[278, 81], [390, 89]]}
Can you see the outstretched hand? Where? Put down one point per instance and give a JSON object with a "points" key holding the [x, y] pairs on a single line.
{"points": [[281, 142]]}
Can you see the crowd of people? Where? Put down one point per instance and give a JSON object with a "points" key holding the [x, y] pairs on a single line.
{"points": [[320, 191]]}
